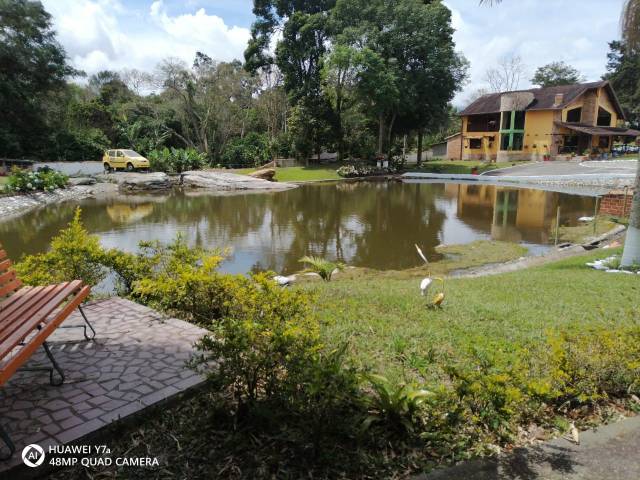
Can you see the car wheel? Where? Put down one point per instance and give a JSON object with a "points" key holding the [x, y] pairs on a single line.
{"points": [[107, 168], [130, 167]]}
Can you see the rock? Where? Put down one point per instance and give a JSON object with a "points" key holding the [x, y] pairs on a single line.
{"points": [[82, 181], [265, 174], [133, 182], [214, 180]]}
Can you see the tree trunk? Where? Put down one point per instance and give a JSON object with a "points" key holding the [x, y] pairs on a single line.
{"points": [[380, 135], [631, 253], [419, 159], [390, 136]]}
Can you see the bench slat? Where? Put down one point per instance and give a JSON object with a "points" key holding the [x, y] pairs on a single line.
{"points": [[26, 308], [4, 265], [9, 343], [10, 287], [25, 352], [22, 301]]}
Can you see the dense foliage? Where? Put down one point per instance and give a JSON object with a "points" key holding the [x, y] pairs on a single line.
{"points": [[176, 160], [26, 181], [624, 74], [556, 73]]}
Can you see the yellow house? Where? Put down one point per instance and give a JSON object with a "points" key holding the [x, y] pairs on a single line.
{"points": [[544, 123]]}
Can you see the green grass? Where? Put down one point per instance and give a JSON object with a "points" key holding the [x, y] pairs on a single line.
{"points": [[300, 174], [461, 166], [582, 233], [391, 331]]}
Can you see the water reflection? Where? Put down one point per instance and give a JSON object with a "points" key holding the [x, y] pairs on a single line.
{"points": [[365, 224]]}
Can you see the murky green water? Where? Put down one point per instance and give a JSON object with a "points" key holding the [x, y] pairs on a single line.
{"points": [[372, 224]]}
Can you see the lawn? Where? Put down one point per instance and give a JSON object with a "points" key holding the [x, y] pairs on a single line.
{"points": [[300, 174], [460, 166], [391, 331]]}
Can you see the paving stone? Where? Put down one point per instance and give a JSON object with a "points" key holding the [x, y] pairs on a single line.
{"points": [[136, 361]]}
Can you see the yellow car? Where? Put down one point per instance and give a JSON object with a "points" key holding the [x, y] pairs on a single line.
{"points": [[121, 159]]}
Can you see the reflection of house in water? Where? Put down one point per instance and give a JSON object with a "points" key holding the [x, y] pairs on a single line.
{"points": [[516, 214]]}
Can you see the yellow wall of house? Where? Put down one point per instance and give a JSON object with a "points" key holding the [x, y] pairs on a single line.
{"points": [[537, 134], [488, 149], [605, 102]]}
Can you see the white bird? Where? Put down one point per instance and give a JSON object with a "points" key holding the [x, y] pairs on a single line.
{"points": [[424, 285], [421, 254], [283, 281]]}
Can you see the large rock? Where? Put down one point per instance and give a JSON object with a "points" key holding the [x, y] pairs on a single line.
{"points": [[264, 173], [134, 182], [82, 181], [229, 181]]}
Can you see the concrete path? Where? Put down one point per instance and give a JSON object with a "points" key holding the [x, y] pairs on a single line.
{"points": [[611, 452], [603, 167]]}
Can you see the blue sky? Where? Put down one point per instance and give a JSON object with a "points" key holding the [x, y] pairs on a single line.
{"points": [[117, 34]]}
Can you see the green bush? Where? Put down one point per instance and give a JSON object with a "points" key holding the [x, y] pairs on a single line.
{"points": [[74, 255], [250, 151], [25, 181], [176, 160]]}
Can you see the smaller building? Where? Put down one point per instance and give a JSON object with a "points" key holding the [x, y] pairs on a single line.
{"points": [[454, 147], [544, 124]]}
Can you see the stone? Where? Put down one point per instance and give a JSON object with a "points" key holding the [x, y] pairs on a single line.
{"points": [[133, 182], [214, 180], [82, 181], [265, 174]]}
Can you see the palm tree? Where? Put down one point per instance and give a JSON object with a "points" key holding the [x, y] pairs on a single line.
{"points": [[630, 27]]}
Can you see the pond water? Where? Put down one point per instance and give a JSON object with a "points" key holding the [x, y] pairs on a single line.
{"points": [[371, 224]]}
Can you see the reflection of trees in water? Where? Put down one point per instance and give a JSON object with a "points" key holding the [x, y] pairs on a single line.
{"points": [[367, 224]]}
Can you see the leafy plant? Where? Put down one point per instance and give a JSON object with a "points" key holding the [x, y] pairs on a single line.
{"points": [[176, 160], [46, 180], [395, 405], [252, 150], [74, 254], [324, 268]]}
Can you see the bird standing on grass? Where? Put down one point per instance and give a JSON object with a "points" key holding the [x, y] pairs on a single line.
{"points": [[428, 281]]}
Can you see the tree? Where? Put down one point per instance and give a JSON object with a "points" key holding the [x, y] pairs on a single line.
{"points": [[631, 35], [33, 67], [507, 75], [623, 71], [556, 73]]}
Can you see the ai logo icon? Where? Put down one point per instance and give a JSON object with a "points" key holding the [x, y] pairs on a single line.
{"points": [[33, 455]]}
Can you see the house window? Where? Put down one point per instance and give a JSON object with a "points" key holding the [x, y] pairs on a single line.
{"points": [[483, 123], [604, 118], [512, 131], [475, 143], [574, 115], [603, 142]]}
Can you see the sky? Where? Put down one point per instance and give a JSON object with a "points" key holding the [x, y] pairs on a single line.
{"points": [[118, 34]]}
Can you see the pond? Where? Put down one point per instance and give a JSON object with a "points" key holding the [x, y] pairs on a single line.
{"points": [[369, 224]]}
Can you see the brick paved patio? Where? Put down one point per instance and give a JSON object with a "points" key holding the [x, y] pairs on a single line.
{"points": [[137, 359]]}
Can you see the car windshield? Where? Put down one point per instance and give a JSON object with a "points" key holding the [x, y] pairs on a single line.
{"points": [[131, 153]]}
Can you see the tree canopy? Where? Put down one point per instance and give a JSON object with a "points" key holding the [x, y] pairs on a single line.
{"points": [[556, 73]]}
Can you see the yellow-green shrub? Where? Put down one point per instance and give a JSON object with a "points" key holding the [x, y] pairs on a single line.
{"points": [[74, 255]]}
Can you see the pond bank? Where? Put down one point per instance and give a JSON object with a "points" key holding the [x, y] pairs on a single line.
{"points": [[15, 205]]}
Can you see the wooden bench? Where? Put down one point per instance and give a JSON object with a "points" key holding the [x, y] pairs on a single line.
{"points": [[28, 315]]}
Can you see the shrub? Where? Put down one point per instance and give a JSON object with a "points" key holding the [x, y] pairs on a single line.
{"points": [[266, 334], [74, 254], [324, 268], [176, 160], [354, 170], [250, 151], [43, 180], [183, 281]]}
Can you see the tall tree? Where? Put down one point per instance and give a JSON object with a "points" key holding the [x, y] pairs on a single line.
{"points": [[630, 22], [506, 76], [32, 67], [556, 73], [623, 71]]}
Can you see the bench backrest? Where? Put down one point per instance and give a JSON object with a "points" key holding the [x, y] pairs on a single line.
{"points": [[9, 282]]}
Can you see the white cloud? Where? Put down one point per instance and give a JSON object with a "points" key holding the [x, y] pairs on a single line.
{"points": [[104, 34]]}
